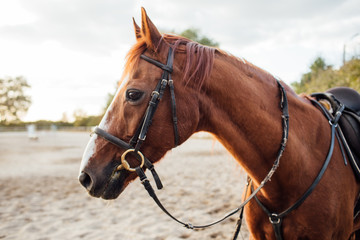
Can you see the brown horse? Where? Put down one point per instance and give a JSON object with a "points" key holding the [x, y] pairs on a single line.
{"points": [[239, 104]]}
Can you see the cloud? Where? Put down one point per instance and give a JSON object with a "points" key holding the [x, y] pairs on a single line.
{"points": [[79, 25], [247, 24], [82, 44]]}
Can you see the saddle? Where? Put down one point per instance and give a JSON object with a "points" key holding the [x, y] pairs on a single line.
{"points": [[349, 123]]}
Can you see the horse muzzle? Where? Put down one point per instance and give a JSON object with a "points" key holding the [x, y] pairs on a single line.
{"points": [[106, 186]]}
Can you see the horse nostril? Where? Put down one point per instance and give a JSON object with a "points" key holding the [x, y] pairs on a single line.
{"points": [[85, 180]]}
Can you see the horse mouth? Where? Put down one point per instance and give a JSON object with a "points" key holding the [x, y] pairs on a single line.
{"points": [[115, 186], [108, 183]]}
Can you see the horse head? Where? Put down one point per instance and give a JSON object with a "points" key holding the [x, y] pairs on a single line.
{"points": [[100, 173]]}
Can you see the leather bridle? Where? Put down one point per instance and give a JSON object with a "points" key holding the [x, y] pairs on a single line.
{"points": [[133, 148], [139, 137]]}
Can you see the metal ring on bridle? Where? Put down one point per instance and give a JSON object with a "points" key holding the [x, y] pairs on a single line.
{"points": [[274, 218], [125, 165]]}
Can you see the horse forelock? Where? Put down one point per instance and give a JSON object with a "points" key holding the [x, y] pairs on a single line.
{"points": [[198, 62]]}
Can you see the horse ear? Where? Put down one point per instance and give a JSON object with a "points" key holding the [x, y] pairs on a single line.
{"points": [[150, 33], [137, 30]]}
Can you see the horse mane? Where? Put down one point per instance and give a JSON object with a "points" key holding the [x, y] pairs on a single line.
{"points": [[199, 58]]}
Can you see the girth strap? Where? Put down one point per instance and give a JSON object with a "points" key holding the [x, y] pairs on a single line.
{"points": [[241, 215]]}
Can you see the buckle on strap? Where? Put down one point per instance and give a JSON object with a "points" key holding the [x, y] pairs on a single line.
{"points": [[155, 93], [189, 226], [274, 218], [337, 116], [164, 82]]}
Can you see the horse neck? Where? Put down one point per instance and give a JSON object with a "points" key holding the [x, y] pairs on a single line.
{"points": [[240, 106]]}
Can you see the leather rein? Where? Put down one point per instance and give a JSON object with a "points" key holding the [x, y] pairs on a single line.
{"points": [[133, 148]]}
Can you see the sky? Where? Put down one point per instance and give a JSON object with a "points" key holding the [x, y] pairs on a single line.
{"points": [[72, 51]]}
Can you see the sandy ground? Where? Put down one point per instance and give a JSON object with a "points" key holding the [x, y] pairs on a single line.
{"points": [[41, 198]]}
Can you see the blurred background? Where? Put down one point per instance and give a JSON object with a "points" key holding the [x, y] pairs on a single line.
{"points": [[60, 62]]}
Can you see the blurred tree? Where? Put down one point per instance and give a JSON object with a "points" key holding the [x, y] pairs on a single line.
{"points": [[109, 99], [88, 121], [64, 118], [82, 119], [79, 114], [110, 96], [349, 74], [323, 76], [194, 34], [14, 102]]}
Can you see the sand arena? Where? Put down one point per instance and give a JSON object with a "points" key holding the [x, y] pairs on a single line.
{"points": [[41, 198]]}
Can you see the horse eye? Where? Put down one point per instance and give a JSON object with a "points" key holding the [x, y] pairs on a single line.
{"points": [[134, 95]]}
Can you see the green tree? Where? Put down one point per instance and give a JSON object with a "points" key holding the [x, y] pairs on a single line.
{"points": [[349, 74], [82, 119], [322, 77], [14, 102], [109, 99], [194, 34], [88, 121]]}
